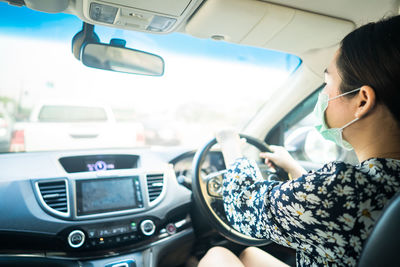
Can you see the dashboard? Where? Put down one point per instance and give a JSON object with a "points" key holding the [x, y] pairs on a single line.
{"points": [[98, 207]]}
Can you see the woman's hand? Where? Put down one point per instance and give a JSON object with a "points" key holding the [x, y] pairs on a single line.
{"points": [[281, 157]]}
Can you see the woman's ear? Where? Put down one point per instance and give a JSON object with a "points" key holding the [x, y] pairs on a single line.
{"points": [[366, 100]]}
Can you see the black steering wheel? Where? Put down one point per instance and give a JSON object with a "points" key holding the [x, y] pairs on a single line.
{"points": [[207, 192]]}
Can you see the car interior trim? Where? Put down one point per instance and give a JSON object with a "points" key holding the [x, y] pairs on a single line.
{"points": [[45, 206]]}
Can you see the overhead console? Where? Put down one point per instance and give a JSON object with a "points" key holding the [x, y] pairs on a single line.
{"points": [[156, 16]]}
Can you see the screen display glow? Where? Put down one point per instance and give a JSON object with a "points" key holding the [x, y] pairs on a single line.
{"points": [[105, 195], [100, 165]]}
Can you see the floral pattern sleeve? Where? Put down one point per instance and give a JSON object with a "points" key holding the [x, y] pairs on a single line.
{"points": [[325, 215]]}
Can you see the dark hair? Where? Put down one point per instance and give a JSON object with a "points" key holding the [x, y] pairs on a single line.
{"points": [[370, 55]]}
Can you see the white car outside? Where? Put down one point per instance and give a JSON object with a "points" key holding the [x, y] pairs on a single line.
{"points": [[61, 126]]}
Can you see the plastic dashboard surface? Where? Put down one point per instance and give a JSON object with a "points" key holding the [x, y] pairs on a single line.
{"points": [[90, 212]]}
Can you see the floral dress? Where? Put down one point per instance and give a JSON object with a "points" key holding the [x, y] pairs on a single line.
{"points": [[326, 215]]}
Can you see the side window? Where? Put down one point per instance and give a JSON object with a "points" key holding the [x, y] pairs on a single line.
{"points": [[297, 134], [305, 144]]}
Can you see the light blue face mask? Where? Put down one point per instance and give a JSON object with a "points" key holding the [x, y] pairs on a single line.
{"points": [[332, 134]]}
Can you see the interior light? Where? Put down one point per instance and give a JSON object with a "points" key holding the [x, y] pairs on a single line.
{"points": [[160, 24], [102, 13]]}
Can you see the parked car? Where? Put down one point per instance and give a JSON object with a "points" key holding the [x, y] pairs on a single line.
{"points": [[61, 125]]}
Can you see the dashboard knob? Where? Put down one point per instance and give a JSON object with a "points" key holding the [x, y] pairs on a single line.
{"points": [[148, 227], [76, 238]]}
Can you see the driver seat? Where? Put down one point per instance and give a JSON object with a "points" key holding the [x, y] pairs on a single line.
{"points": [[382, 247]]}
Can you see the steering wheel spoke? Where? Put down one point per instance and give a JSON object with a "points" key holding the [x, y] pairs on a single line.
{"points": [[207, 192], [213, 183]]}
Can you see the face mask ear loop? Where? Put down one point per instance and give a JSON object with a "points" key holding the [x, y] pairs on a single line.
{"points": [[349, 92], [347, 124]]}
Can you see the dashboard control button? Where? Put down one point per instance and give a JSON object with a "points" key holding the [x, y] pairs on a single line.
{"points": [[132, 236], [171, 229], [148, 227], [76, 238], [104, 232], [125, 263], [92, 233]]}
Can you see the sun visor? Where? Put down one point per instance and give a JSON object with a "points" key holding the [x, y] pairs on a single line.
{"points": [[262, 24], [49, 6]]}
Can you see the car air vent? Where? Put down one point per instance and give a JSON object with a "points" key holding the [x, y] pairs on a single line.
{"points": [[155, 184], [54, 195]]}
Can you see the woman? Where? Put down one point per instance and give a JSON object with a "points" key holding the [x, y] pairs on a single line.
{"points": [[327, 214]]}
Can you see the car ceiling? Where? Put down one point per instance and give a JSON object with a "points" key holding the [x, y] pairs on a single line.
{"points": [[357, 11]]}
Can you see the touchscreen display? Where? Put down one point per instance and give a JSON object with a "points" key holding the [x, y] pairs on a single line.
{"points": [[105, 195]]}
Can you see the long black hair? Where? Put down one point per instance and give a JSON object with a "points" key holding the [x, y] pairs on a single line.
{"points": [[370, 55]]}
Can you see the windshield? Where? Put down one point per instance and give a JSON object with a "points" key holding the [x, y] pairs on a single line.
{"points": [[207, 85]]}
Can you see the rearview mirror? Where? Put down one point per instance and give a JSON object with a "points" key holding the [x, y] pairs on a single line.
{"points": [[114, 56], [121, 59]]}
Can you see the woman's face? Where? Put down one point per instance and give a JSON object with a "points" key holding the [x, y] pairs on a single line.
{"points": [[340, 110]]}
